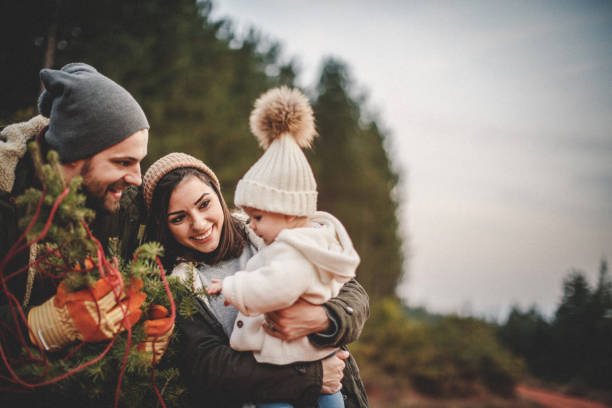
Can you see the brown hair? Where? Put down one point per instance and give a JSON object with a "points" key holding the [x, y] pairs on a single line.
{"points": [[233, 233]]}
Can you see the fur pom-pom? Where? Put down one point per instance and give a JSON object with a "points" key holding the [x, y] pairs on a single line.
{"points": [[280, 111]]}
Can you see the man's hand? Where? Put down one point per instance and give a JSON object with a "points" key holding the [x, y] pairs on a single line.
{"points": [[94, 314], [158, 331], [296, 321], [333, 371]]}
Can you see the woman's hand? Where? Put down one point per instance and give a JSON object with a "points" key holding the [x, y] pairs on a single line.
{"points": [[333, 371], [296, 321]]}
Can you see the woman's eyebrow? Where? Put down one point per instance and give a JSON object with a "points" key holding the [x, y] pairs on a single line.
{"points": [[200, 199], [196, 203]]}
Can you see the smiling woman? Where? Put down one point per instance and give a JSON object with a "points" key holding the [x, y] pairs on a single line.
{"points": [[195, 219], [183, 196], [204, 242]]}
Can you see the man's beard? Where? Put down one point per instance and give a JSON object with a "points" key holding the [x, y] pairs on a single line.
{"points": [[96, 192]]}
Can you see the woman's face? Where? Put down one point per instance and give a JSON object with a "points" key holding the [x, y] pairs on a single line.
{"points": [[195, 216]]}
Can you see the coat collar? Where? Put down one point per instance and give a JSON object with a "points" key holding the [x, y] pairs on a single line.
{"points": [[13, 146]]}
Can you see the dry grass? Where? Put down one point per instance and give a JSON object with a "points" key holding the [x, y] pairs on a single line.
{"points": [[408, 399], [386, 392]]}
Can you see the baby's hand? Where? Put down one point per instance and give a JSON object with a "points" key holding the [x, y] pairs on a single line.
{"points": [[215, 287]]}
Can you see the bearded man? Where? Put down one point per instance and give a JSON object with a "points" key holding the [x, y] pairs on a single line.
{"points": [[100, 133]]}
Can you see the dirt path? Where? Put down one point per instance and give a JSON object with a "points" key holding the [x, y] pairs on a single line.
{"points": [[550, 399]]}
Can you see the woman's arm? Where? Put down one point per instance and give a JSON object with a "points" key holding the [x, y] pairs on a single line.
{"points": [[336, 323], [222, 376]]}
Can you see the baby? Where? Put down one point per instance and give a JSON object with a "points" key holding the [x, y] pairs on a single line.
{"points": [[306, 254]]}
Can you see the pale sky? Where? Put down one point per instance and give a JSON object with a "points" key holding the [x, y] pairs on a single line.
{"points": [[500, 115]]}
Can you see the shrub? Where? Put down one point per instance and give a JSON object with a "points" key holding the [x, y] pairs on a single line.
{"points": [[450, 356]]}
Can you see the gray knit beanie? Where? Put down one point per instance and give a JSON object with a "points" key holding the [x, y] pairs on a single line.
{"points": [[87, 111]]}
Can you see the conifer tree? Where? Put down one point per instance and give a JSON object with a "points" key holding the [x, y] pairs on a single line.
{"points": [[356, 180], [56, 225]]}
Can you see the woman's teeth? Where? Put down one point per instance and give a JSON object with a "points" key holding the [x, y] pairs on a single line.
{"points": [[204, 236]]}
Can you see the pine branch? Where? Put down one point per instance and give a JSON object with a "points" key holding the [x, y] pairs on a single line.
{"points": [[68, 253]]}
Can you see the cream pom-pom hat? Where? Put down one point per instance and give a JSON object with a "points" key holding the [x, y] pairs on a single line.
{"points": [[281, 181]]}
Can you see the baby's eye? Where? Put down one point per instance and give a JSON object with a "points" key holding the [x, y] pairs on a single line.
{"points": [[257, 218]]}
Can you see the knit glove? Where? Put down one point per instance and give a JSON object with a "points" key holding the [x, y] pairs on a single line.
{"points": [[90, 315], [158, 331]]}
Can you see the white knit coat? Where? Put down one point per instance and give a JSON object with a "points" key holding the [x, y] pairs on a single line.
{"points": [[309, 263]]}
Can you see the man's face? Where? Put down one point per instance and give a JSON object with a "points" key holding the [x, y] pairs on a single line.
{"points": [[107, 174]]}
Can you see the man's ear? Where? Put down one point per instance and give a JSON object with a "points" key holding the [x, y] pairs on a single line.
{"points": [[72, 169]]}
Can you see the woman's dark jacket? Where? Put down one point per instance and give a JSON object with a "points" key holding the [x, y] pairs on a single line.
{"points": [[221, 377]]}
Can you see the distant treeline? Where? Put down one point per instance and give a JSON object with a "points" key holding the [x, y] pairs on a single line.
{"points": [[454, 356], [575, 346], [197, 83]]}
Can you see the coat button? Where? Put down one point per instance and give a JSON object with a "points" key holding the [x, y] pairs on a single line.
{"points": [[239, 324]]}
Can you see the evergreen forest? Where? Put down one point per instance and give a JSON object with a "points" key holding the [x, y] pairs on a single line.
{"points": [[197, 81]]}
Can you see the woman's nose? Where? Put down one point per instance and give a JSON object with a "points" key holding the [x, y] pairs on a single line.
{"points": [[198, 223]]}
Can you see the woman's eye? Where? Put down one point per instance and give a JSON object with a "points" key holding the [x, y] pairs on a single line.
{"points": [[176, 220], [204, 203]]}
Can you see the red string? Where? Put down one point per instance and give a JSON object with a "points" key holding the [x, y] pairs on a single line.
{"points": [[115, 280], [170, 324], [15, 307], [108, 271], [170, 298], [15, 249], [62, 376], [124, 363]]}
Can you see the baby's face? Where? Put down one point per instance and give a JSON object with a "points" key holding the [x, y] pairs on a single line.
{"points": [[267, 225]]}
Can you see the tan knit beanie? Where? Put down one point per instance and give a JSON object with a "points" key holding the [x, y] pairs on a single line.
{"points": [[281, 181], [164, 166]]}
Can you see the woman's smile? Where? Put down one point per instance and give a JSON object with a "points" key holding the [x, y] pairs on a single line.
{"points": [[204, 236]]}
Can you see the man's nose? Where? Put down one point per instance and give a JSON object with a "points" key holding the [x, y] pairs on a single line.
{"points": [[134, 176]]}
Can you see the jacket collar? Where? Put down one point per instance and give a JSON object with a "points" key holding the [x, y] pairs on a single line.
{"points": [[13, 146]]}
